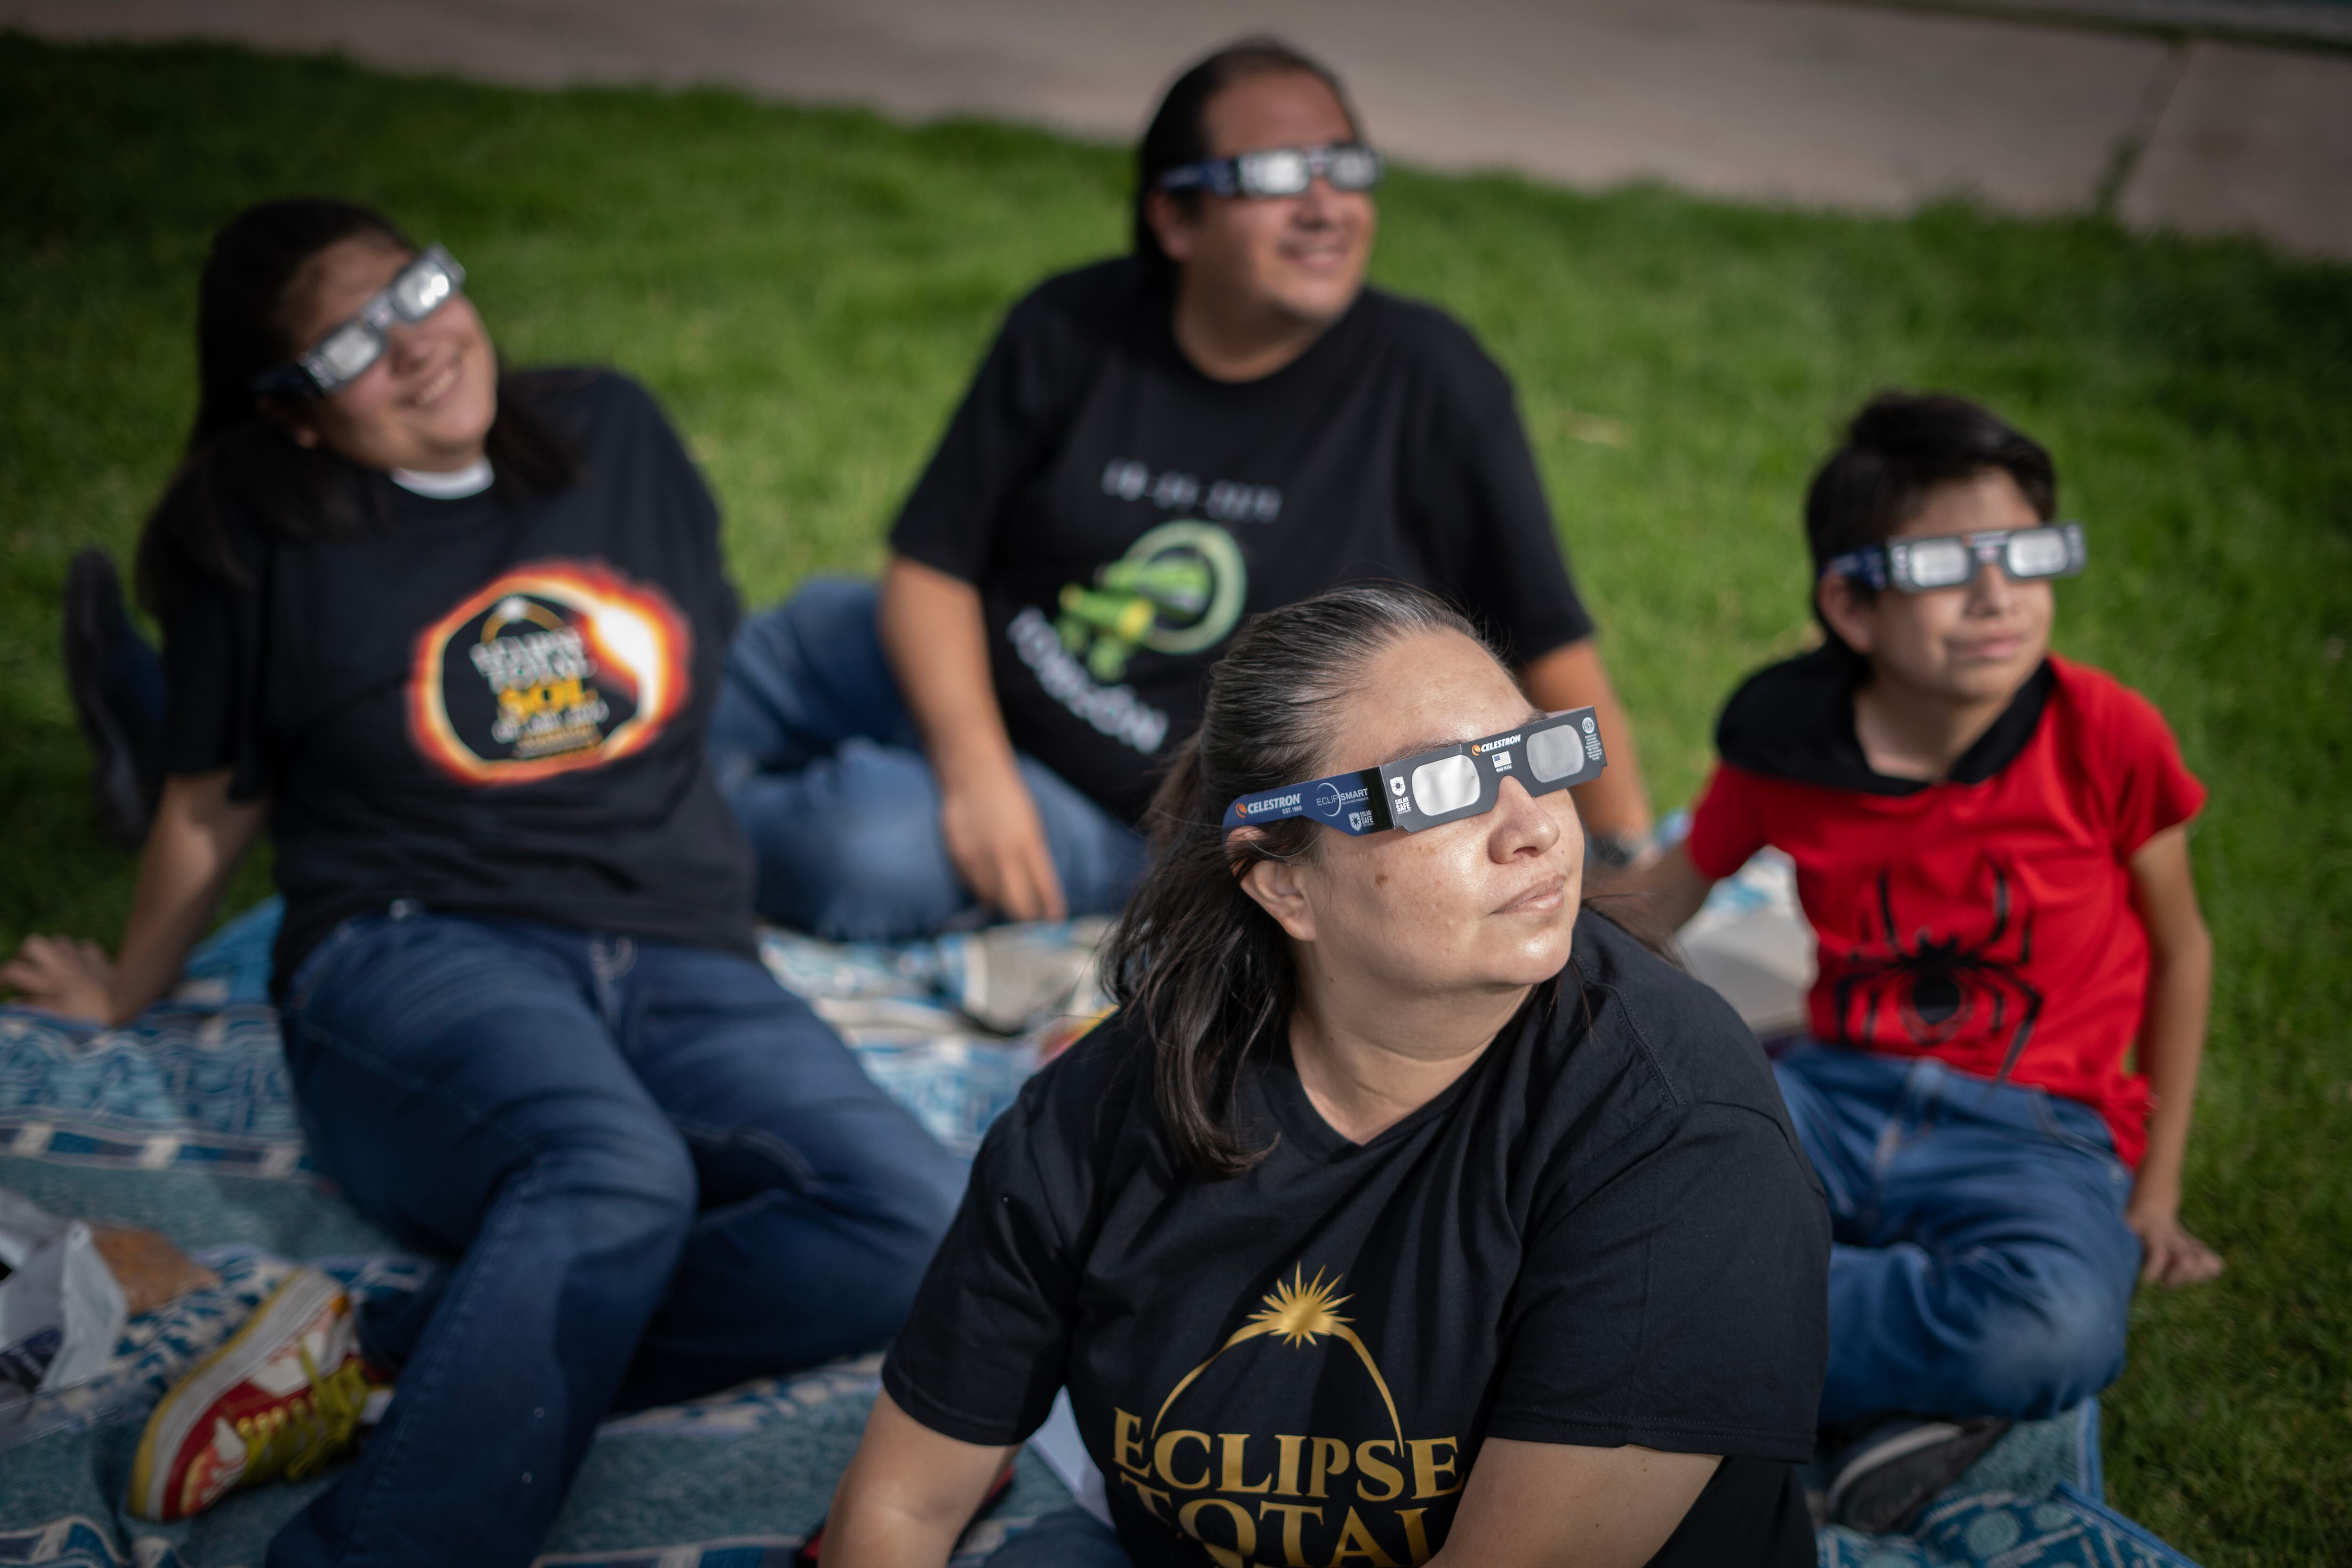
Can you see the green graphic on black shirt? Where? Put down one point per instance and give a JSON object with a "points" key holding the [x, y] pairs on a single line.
{"points": [[1296, 1499], [1178, 590]]}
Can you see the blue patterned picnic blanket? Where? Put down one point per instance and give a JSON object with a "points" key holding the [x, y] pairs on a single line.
{"points": [[184, 1123]]}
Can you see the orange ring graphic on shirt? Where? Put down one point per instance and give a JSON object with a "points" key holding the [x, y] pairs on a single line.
{"points": [[634, 630]]}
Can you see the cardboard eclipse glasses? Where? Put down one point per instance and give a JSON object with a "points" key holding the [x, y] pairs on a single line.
{"points": [[1950, 561], [339, 358], [1430, 789]]}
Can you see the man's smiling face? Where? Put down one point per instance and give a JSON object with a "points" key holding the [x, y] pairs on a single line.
{"points": [[1304, 256]]}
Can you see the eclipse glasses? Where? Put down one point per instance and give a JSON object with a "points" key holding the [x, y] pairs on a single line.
{"points": [[1280, 171], [1430, 789], [1924, 565], [339, 358]]}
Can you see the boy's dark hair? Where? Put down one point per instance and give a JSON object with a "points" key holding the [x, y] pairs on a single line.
{"points": [[1179, 133], [1899, 450], [238, 453]]}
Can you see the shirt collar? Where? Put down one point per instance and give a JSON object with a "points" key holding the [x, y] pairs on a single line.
{"points": [[1795, 720]]}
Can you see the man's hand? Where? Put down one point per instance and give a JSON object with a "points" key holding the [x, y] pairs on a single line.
{"points": [[2169, 1255], [63, 975], [997, 844]]}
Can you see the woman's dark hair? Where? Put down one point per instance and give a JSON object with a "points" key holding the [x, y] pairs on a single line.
{"points": [[1195, 957], [1179, 133], [237, 451], [1898, 451]]}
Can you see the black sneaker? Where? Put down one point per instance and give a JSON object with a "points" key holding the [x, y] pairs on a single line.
{"points": [[125, 736], [1892, 1470]]}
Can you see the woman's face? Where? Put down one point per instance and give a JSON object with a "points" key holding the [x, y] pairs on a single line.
{"points": [[427, 402], [1482, 904], [1301, 256]]}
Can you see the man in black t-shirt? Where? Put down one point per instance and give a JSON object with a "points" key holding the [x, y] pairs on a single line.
{"points": [[1155, 448]]}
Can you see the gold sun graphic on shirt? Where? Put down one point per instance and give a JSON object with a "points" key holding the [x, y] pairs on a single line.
{"points": [[1297, 1311]]}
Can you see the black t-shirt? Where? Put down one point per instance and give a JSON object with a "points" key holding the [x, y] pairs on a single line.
{"points": [[1121, 513], [487, 704], [1604, 1233]]}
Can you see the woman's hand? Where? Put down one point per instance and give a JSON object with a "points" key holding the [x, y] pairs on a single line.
{"points": [[997, 844], [2168, 1253], [63, 974]]}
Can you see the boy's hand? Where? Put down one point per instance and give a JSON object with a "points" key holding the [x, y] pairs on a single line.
{"points": [[2169, 1255], [63, 975]]}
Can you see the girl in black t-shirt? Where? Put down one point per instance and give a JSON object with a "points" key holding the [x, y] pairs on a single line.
{"points": [[1401, 1213], [454, 637]]}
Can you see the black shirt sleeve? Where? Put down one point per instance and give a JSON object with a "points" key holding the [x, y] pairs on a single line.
{"points": [[214, 668], [1012, 421], [1680, 1304], [984, 1348], [1479, 496]]}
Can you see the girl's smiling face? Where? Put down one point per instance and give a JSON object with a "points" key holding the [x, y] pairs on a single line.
{"points": [[427, 402]]}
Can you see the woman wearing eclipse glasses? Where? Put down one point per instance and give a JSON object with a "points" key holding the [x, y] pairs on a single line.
{"points": [[1155, 448], [1404, 1211], [453, 636]]}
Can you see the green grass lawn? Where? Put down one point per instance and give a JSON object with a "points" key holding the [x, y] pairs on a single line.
{"points": [[806, 291]]}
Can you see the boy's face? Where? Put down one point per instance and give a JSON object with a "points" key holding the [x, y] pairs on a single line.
{"points": [[1974, 643]]}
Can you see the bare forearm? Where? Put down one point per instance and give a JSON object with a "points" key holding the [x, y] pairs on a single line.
{"points": [[1575, 676], [2171, 1052], [906, 1494], [199, 837], [1662, 896], [936, 639]]}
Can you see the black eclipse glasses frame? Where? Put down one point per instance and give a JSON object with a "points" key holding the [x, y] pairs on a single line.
{"points": [[346, 351], [1280, 171], [1953, 560], [1430, 789]]}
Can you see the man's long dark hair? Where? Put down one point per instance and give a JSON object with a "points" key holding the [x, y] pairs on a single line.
{"points": [[1179, 133], [1200, 965], [238, 454]]}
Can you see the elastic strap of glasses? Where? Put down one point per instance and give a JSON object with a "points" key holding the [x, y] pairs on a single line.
{"points": [[285, 381], [1869, 564], [1353, 805], [1215, 175]]}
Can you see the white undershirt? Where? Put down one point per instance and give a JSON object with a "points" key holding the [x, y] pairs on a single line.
{"points": [[455, 484]]}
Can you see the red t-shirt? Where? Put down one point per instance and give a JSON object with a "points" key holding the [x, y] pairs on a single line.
{"points": [[1987, 919]]}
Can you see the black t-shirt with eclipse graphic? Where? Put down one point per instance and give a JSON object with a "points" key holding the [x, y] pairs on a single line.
{"points": [[485, 704], [1602, 1232]]}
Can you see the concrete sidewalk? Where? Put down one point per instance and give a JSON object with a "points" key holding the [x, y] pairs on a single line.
{"points": [[1839, 105]]}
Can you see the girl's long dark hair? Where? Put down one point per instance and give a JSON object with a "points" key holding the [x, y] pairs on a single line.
{"points": [[238, 453], [1203, 967]]}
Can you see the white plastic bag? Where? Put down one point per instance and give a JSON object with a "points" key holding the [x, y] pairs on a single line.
{"points": [[61, 1313]]}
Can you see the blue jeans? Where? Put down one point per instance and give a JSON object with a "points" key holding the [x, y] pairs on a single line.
{"points": [[662, 1173], [1982, 1265], [1066, 1538], [813, 747]]}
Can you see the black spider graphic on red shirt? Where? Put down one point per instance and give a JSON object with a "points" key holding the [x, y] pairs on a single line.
{"points": [[1934, 987]]}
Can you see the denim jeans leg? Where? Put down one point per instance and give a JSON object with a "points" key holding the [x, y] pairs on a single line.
{"points": [[812, 748], [1066, 1538], [801, 678], [822, 1200], [462, 1086], [1988, 1272]]}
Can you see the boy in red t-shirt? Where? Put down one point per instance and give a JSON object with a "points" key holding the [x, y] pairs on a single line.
{"points": [[1991, 846]]}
